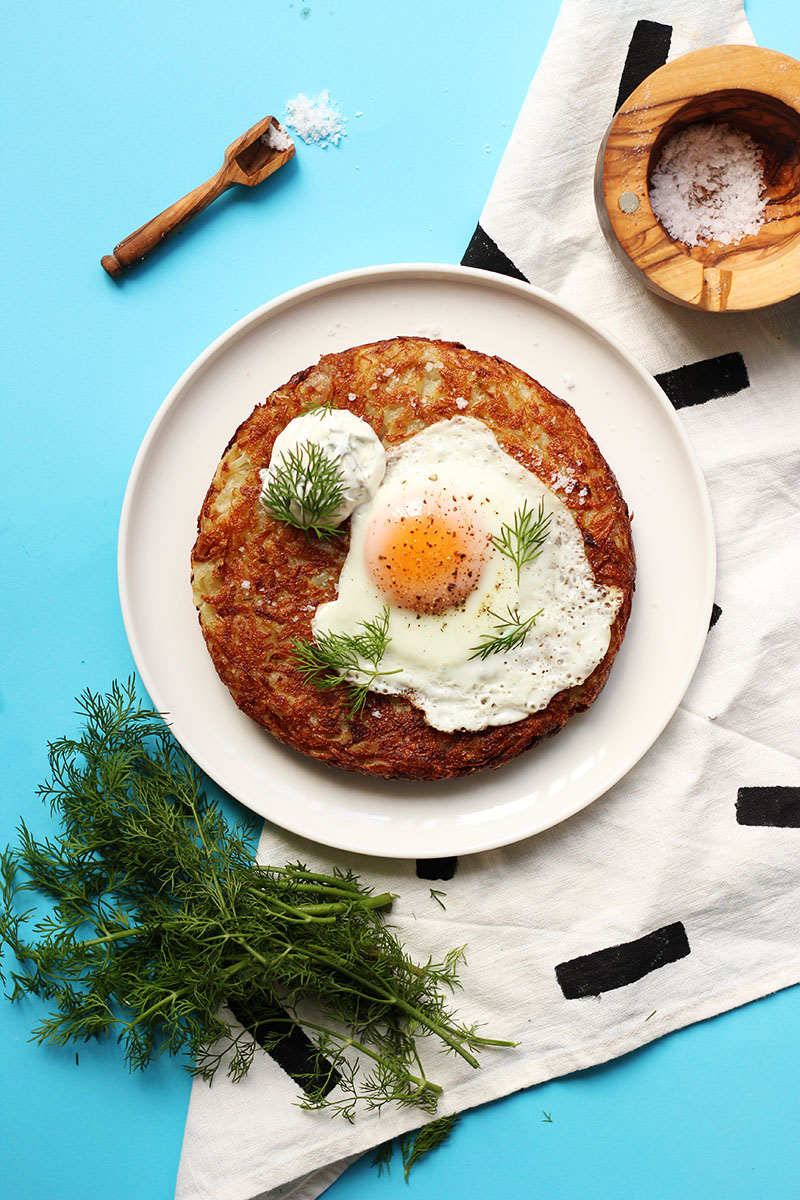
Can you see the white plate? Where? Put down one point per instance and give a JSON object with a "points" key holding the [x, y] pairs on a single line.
{"points": [[636, 430]]}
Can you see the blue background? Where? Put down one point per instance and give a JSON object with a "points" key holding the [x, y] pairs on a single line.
{"points": [[110, 112]]}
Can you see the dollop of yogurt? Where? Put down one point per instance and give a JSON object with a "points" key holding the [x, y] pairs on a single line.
{"points": [[347, 441]]}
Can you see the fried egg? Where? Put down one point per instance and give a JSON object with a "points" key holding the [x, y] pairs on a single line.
{"points": [[426, 550]]}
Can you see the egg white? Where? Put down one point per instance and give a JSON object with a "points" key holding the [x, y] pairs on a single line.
{"points": [[432, 653]]}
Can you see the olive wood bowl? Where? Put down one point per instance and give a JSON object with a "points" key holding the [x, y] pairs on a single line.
{"points": [[751, 89]]}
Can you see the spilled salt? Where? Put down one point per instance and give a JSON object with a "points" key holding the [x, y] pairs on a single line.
{"points": [[708, 184], [315, 120]]}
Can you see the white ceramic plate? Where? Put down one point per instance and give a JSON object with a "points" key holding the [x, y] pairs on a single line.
{"points": [[640, 437]]}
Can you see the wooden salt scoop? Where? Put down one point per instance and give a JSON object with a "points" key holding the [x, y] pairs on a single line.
{"points": [[249, 161], [748, 88]]}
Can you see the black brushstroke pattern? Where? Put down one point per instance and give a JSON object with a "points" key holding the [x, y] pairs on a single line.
{"points": [[484, 253], [436, 868], [773, 806], [716, 613], [295, 1052], [621, 965], [647, 51], [709, 379]]}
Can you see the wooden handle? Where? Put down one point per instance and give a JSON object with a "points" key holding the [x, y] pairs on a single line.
{"points": [[139, 243]]}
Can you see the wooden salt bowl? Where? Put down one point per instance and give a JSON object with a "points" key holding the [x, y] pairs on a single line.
{"points": [[751, 89]]}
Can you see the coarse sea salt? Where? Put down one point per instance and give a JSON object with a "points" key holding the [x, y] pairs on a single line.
{"points": [[316, 120], [276, 138], [708, 185]]}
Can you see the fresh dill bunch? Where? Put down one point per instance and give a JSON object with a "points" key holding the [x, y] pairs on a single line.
{"points": [[331, 659], [511, 632], [522, 541], [305, 488], [160, 925]]}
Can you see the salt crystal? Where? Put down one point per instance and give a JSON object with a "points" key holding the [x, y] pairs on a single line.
{"points": [[708, 184], [315, 120], [563, 481]]}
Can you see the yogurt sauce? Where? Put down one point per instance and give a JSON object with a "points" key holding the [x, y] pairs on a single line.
{"points": [[346, 440]]}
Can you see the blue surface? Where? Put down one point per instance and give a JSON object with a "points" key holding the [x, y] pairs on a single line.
{"points": [[110, 112]]}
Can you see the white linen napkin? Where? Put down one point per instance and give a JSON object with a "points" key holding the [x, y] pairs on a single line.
{"points": [[676, 896]]}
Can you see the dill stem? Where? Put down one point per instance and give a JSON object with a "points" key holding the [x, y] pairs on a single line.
{"points": [[382, 901], [254, 953], [302, 873], [112, 937], [314, 888], [391, 998], [353, 894], [234, 967], [327, 911], [423, 1083], [440, 1030], [154, 1008], [293, 873]]}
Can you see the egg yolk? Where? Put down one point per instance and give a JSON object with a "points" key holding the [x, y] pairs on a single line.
{"points": [[426, 554]]}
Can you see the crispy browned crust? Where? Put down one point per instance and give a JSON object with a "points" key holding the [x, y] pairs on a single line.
{"points": [[257, 582]]}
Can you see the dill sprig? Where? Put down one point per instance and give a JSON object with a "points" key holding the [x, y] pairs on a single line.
{"points": [[414, 1146], [430, 1137], [383, 1157], [319, 408], [523, 540], [511, 632], [304, 489], [332, 659], [159, 920]]}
